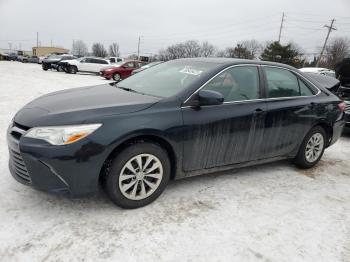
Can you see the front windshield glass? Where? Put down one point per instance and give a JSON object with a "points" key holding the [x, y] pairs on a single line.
{"points": [[167, 79], [54, 57]]}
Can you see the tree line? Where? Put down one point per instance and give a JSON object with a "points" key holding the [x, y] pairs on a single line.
{"points": [[289, 53]]}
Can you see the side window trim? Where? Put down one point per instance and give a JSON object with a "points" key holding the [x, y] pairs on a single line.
{"points": [[260, 82]]}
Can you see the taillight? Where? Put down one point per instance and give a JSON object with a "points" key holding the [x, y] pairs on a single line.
{"points": [[342, 106]]}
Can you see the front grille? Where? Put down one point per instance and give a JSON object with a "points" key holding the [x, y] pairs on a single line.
{"points": [[16, 160], [18, 130], [19, 166]]}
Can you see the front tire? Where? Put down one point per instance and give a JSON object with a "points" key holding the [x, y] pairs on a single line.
{"points": [[60, 69], [312, 148], [73, 69], [116, 77], [45, 67], [138, 175]]}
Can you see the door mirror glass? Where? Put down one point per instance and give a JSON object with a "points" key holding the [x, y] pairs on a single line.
{"points": [[209, 98]]}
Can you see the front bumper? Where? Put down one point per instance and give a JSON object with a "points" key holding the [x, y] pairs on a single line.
{"points": [[106, 74], [71, 169], [347, 119]]}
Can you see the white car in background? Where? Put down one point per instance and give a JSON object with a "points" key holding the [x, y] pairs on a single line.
{"points": [[84, 64], [318, 70], [115, 59]]}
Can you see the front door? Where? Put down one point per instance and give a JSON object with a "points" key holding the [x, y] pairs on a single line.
{"points": [[126, 69], [228, 133]]}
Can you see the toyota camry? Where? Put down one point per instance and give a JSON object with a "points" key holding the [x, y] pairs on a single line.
{"points": [[177, 119]]}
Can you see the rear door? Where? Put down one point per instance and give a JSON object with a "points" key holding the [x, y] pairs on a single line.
{"points": [[229, 133], [290, 110]]}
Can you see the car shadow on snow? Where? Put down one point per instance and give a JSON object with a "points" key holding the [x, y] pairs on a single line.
{"points": [[178, 192]]}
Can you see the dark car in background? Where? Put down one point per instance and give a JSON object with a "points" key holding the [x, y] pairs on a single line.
{"points": [[120, 70], [12, 56], [33, 59], [52, 61], [146, 66], [342, 70], [22, 58], [178, 119]]}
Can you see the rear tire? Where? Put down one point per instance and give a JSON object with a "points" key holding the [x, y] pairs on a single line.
{"points": [[312, 148], [133, 185], [45, 67]]}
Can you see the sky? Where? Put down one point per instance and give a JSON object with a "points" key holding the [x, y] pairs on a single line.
{"points": [[160, 23]]}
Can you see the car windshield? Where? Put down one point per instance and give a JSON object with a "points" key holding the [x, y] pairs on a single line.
{"points": [[150, 65], [54, 57], [166, 79]]}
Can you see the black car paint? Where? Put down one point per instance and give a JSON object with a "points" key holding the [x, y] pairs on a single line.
{"points": [[196, 139], [49, 63]]}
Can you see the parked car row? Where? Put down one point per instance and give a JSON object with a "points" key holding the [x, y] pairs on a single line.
{"points": [[112, 68], [22, 58]]}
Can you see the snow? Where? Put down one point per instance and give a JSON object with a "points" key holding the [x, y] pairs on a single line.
{"points": [[273, 212]]}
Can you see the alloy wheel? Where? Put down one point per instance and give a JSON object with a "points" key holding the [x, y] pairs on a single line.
{"points": [[140, 176], [314, 147], [116, 77]]}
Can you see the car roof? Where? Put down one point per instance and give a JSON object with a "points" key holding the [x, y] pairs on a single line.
{"points": [[314, 69], [235, 61]]}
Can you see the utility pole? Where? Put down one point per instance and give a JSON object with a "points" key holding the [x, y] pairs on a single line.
{"points": [[138, 48], [330, 28], [282, 21], [37, 39]]}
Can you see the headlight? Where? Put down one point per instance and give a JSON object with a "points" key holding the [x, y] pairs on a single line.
{"points": [[62, 135]]}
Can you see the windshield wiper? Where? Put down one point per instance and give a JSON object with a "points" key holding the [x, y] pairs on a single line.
{"points": [[129, 89]]}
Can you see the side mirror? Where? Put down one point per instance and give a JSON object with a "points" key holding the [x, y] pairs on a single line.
{"points": [[206, 98], [209, 98]]}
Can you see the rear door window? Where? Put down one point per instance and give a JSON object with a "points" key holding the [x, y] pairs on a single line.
{"points": [[283, 83]]}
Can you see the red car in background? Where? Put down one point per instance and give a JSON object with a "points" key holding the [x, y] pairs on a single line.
{"points": [[120, 70]]}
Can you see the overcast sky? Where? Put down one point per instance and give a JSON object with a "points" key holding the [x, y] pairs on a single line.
{"points": [[164, 22]]}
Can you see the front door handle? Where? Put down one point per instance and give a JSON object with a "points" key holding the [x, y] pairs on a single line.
{"points": [[259, 111]]}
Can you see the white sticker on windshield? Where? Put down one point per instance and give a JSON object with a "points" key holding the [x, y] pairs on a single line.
{"points": [[191, 71]]}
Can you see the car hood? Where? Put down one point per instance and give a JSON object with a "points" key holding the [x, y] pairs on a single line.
{"points": [[110, 67], [81, 105], [53, 60]]}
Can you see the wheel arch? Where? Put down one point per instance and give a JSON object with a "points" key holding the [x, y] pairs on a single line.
{"points": [[327, 128], [141, 138]]}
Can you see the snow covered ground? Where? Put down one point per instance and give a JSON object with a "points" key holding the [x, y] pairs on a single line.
{"points": [[272, 212]]}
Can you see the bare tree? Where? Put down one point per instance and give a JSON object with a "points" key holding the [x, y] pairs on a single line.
{"points": [[207, 49], [99, 50], [336, 51], [192, 48], [221, 53], [79, 48], [133, 57], [114, 50], [253, 47]]}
